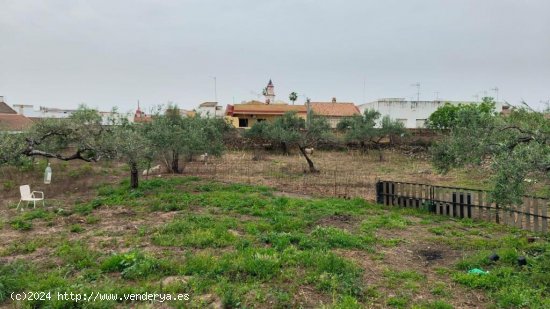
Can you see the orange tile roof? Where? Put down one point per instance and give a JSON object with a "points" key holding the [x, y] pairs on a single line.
{"points": [[264, 109], [332, 109], [14, 122]]}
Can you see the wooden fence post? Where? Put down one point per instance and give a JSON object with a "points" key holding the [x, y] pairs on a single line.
{"points": [[545, 216]]}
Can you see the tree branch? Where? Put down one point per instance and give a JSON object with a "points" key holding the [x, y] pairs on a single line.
{"points": [[76, 156], [516, 128]]}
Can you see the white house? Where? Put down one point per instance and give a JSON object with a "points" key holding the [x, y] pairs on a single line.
{"points": [[42, 112], [413, 114], [210, 110], [48, 112]]}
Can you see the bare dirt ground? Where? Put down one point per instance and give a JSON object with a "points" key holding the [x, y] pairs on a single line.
{"points": [[342, 174]]}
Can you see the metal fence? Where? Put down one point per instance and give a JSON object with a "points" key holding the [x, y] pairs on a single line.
{"points": [[531, 215]]}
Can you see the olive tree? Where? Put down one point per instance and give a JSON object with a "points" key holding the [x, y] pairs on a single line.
{"points": [[363, 129], [174, 136], [127, 143], [51, 138], [516, 146], [291, 130], [81, 136]]}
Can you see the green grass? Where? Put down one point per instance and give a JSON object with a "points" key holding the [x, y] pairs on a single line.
{"points": [[76, 228], [196, 231], [245, 247], [509, 284], [23, 222]]}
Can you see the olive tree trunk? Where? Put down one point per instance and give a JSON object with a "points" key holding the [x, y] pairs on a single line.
{"points": [[175, 162], [312, 168], [134, 175]]}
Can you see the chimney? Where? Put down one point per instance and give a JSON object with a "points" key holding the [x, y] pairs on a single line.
{"points": [[334, 100], [2, 99]]}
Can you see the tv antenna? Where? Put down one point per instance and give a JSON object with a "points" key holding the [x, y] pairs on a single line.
{"points": [[417, 85], [258, 95], [496, 92]]}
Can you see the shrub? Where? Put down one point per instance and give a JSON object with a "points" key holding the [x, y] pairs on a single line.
{"points": [[134, 265], [21, 224], [76, 228]]}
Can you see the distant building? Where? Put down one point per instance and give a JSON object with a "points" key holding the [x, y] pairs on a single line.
{"points": [[413, 114], [245, 115], [59, 113], [10, 121], [187, 113], [269, 93], [140, 116], [334, 111], [5, 108], [42, 111], [210, 110]]}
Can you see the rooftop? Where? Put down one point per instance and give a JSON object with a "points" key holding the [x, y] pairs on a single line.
{"points": [[334, 109], [263, 109], [6, 109], [209, 104], [14, 122]]}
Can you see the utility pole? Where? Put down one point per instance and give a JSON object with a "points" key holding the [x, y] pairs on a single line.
{"points": [[308, 116], [436, 95], [215, 90]]}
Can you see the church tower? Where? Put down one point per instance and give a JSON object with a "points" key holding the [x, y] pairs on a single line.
{"points": [[269, 93]]}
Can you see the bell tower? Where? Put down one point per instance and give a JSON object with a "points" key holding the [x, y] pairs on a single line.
{"points": [[269, 93]]}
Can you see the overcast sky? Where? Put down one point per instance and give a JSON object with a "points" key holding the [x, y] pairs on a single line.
{"points": [[112, 53]]}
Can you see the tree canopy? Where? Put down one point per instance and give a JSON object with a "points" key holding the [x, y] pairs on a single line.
{"points": [[517, 147], [445, 116], [291, 130], [293, 96], [174, 136], [85, 136], [83, 131], [363, 129]]}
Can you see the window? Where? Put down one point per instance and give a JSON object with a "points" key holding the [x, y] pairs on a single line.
{"points": [[420, 123], [403, 121], [243, 122], [260, 120]]}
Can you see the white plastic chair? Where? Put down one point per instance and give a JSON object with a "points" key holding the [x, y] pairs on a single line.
{"points": [[28, 196]]}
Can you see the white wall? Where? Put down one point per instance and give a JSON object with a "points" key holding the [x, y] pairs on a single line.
{"points": [[412, 113], [210, 111]]}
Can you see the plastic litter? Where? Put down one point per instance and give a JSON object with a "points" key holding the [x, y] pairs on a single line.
{"points": [[477, 271]]}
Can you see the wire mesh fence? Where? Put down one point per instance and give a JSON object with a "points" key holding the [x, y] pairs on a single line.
{"points": [[292, 178]]}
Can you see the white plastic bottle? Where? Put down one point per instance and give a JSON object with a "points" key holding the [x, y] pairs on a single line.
{"points": [[48, 175]]}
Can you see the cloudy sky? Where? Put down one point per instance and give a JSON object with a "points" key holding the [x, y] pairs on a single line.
{"points": [[106, 53]]}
